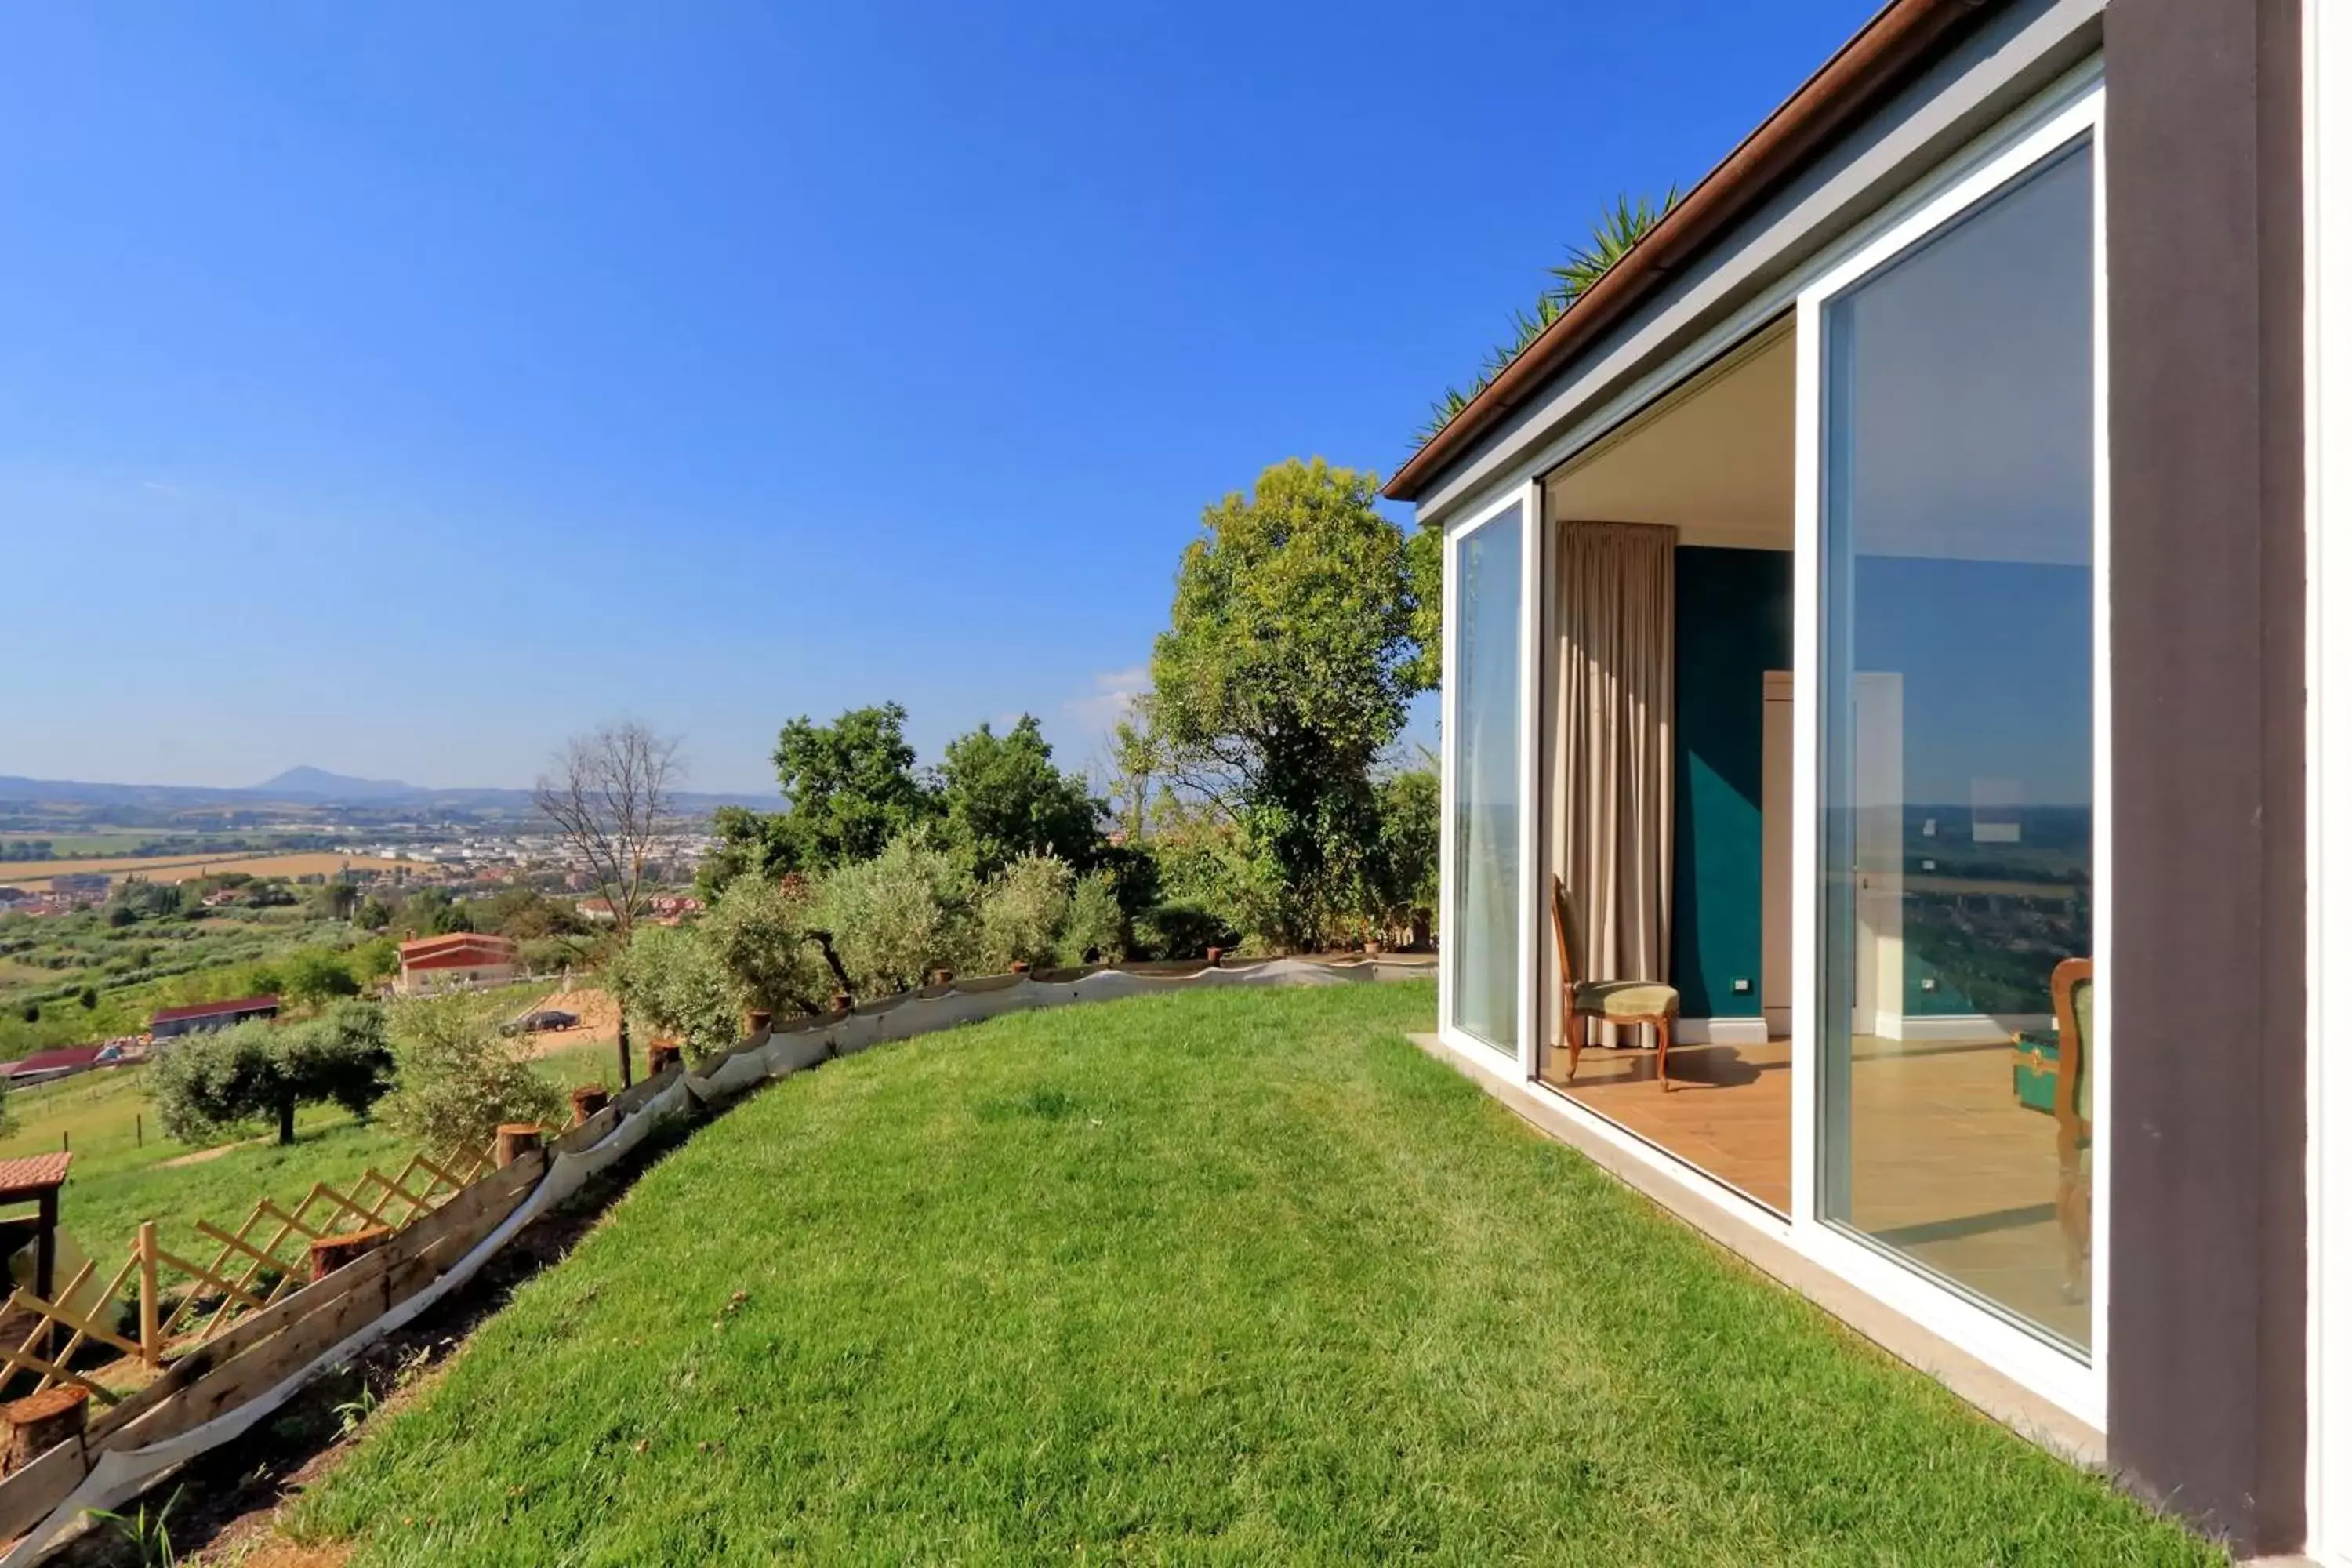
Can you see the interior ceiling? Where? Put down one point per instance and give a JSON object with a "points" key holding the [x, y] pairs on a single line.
{"points": [[1717, 459]]}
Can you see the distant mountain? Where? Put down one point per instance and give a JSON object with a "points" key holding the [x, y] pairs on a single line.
{"points": [[319, 781]]}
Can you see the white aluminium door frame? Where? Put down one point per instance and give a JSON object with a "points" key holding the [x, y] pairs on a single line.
{"points": [[2058, 1374], [1528, 497]]}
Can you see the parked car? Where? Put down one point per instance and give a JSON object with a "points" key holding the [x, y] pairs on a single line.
{"points": [[543, 1019]]}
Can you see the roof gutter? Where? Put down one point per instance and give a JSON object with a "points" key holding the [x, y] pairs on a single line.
{"points": [[1832, 99]]}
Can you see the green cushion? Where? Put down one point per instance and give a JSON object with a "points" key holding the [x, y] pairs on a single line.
{"points": [[1627, 998]]}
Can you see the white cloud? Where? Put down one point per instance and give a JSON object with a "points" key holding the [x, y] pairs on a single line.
{"points": [[1112, 699]]}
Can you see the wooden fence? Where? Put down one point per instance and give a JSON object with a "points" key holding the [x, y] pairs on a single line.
{"points": [[182, 1302]]}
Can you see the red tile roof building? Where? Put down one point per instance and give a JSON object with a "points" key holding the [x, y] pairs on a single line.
{"points": [[458, 962]]}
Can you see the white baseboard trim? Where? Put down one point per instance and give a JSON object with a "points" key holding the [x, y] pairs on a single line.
{"points": [[1721, 1032], [1955, 1027]]}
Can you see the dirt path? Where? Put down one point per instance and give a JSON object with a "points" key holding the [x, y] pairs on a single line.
{"points": [[599, 1019], [198, 1157]]}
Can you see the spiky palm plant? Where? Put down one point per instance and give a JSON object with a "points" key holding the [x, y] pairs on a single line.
{"points": [[1617, 232]]}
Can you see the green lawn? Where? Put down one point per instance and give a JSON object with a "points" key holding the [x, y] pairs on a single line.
{"points": [[118, 1180], [1229, 1277]]}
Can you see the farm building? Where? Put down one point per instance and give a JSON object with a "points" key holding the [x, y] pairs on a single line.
{"points": [[42, 1066], [458, 962], [173, 1022]]}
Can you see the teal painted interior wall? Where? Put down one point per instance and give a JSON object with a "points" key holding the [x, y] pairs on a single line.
{"points": [[1731, 624]]}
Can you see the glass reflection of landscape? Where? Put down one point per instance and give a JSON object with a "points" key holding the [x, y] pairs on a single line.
{"points": [[1481, 935], [1957, 823]]}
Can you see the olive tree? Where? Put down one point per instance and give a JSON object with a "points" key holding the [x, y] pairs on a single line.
{"points": [[461, 1077], [207, 1085]]}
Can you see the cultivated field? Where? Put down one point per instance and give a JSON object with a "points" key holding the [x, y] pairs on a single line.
{"points": [[185, 867]]}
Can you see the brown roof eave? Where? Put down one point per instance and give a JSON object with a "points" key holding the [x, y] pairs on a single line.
{"points": [[1832, 99]]}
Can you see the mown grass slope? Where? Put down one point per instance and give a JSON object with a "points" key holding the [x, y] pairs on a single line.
{"points": [[1229, 1277]]}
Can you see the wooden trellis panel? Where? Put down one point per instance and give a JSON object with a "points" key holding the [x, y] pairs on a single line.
{"points": [[261, 1262]]}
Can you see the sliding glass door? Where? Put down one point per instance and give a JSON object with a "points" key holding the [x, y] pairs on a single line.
{"points": [[1486, 795], [1958, 813]]}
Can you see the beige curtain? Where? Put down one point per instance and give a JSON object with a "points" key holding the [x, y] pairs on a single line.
{"points": [[1611, 835]]}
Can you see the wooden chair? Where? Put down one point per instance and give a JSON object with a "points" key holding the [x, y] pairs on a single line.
{"points": [[1629, 1002], [2072, 1000]]}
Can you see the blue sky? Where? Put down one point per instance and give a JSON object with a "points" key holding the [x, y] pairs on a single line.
{"points": [[399, 389]]}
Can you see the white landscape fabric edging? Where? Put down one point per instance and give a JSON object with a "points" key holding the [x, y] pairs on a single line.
{"points": [[121, 1474]]}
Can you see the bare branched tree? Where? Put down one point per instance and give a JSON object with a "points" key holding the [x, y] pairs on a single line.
{"points": [[609, 799]]}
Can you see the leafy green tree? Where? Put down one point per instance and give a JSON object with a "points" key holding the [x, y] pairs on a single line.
{"points": [[1004, 798], [460, 1079], [207, 1085], [312, 975], [1093, 928], [744, 843], [432, 911], [1022, 910], [373, 914], [525, 914], [334, 899], [764, 933], [1283, 677], [849, 788], [898, 916], [1400, 882], [671, 979]]}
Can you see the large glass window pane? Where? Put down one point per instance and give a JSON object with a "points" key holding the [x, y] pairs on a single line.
{"points": [[1482, 933], [1957, 788]]}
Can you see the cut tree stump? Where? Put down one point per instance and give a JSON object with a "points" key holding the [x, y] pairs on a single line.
{"points": [[587, 1101], [660, 1056], [40, 1421], [329, 1253], [517, 1138]]}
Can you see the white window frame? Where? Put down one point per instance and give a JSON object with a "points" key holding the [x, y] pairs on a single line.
{"points": [[2068, 108], [1528, 498], [2076, 1384]]}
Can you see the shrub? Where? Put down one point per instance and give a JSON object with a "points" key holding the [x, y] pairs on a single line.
{"points": [[460, 1079], [1021, 911], [892, 918], [1179, 931], [760, 929], [1095, 929], [669, 978], [210, 1084]]}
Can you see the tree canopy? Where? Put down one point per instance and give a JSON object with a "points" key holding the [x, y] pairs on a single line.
{"points": [[849, 788], [1004, 798], [1283, 676], [208, 1084]]}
